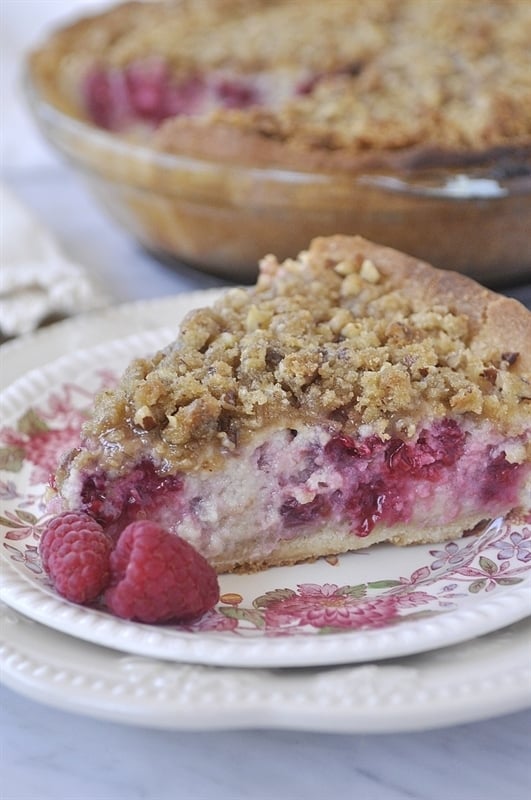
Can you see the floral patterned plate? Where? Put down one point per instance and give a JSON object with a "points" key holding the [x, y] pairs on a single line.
{"points": [[373, 604]]}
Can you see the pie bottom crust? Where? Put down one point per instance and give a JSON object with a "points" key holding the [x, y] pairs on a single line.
{"points": [[338, 539]]}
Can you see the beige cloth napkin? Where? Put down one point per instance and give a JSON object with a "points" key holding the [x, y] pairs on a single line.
{"points": [[36, 280]]}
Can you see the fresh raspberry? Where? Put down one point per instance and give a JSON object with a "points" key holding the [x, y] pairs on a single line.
{"points": [[156, 577], [75, 553]]}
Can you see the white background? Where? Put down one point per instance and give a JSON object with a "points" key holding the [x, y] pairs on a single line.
{"points": [[23, 23]]}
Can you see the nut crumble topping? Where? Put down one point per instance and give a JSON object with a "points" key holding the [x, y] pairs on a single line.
{"points": [[349, 335]]}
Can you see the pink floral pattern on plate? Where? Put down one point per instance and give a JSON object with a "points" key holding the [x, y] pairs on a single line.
{"points": [[439, 578]]}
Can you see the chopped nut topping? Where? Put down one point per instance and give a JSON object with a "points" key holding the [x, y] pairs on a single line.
{"points": [[345, 268], [509, 358], [351, 285], [369, 272], [144, 419], [295, 350]]}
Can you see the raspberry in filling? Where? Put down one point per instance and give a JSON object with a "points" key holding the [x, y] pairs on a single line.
{"points": [[146, 93], [353, 396], [134, 496], [293, 484], [116, 99]]}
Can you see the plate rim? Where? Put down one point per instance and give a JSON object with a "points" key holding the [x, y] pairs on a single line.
{"points": [[388, 697], [245, 652]]}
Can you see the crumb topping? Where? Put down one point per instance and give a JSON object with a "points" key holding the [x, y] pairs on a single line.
{"points": [[385, 74], [335, 336]]}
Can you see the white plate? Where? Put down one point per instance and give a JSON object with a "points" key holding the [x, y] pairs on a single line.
{"points": [[483, 678], [382, 603]]}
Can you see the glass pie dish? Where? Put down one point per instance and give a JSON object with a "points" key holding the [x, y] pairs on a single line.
{"points": [[222, 217]]}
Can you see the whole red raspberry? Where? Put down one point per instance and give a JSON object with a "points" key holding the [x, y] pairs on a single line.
{"points": [[75, 553], [156, 577]]}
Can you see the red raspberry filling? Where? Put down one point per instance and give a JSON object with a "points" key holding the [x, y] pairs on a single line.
{"points": [[385, 481], [302, 479], [147, 93], [139, 492]]}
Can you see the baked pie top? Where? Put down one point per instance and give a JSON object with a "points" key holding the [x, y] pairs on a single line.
{"points": [[335, 82], [350, 333]]}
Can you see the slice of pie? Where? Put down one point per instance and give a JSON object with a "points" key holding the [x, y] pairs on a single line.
{"points": [[355, 395]]}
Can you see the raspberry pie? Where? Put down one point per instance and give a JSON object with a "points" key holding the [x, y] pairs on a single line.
{"points": [[355, 395], [408, 121], [335, 83]]}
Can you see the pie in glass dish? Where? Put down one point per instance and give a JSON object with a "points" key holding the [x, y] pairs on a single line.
{"points": [[355, 395], [304, 83], [405, 120]]}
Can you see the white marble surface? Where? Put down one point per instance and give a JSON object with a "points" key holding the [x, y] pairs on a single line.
{"points": [[50, 754]]}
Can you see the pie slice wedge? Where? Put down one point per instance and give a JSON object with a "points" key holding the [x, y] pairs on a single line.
{"points": [[353, 396]]}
